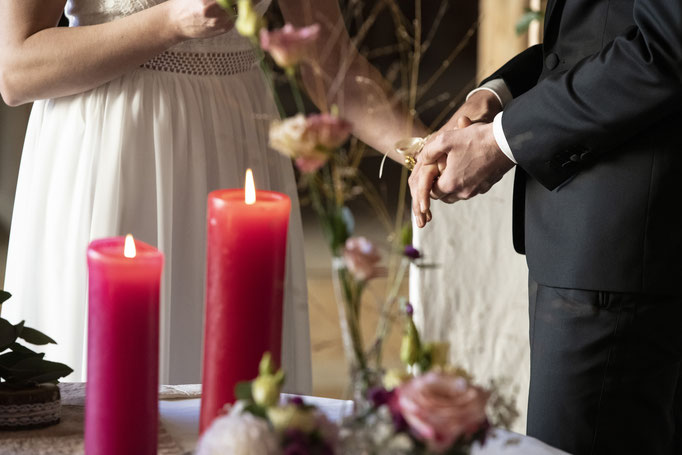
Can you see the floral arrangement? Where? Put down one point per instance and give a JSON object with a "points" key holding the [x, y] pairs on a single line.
{"points": [[260, 424], [428, 406], [21, 367]]}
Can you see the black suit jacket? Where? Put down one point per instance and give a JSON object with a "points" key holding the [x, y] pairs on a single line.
{"points": [[596, 128]]}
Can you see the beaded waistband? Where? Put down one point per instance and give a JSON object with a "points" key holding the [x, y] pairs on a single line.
{"points": [[203, 64]]}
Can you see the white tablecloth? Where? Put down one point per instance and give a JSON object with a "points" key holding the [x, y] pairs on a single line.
{"points": [[179, 431]]}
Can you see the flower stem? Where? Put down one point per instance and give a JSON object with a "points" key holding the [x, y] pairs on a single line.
{"points": [[295, 89], [267, 74], [384, 325]]}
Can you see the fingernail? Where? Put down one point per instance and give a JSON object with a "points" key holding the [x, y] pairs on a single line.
{"points": [[429, 217]]}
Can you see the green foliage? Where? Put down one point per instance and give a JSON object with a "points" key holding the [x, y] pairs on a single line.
{"points": [[529, 16], [406, 235], [21, 366], [338, 225], [242, 391]]}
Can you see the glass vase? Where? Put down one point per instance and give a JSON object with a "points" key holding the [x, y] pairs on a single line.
{"points": [[348, 302]]}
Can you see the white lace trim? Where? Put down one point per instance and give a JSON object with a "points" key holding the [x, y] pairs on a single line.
{"points": [[29, 414], [203, 64]]}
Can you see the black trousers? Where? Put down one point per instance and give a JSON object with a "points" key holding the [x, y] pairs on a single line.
{"points": [[605, 372]]}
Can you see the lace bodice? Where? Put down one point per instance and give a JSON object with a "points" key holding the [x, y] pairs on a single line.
{"points": [[91, 12]]}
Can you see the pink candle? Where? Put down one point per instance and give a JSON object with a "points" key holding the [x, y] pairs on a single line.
{"points": [[247, 238], [121, 412]]}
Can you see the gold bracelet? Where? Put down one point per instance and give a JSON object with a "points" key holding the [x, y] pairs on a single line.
{"points": [[409, 148]]}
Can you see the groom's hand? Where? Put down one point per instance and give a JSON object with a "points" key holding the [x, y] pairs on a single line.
{"points": [[481, 107], [474, 163]]}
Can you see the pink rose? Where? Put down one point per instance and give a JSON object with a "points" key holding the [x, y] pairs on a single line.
{"points": [[441, 409], [328, 131], [361, 258], [289, 45], [309, 140]]}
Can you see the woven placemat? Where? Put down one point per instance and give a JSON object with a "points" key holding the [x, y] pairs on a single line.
{"points": [[66, 438]]}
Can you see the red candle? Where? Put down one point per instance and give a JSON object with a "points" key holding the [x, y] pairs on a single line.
{"points": [[247, 238], [121, 412]]}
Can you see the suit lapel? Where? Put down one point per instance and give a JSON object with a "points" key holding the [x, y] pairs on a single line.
{"points": [[551, 9]]}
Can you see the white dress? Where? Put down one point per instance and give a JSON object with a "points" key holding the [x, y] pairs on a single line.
{"points": [[140, 155]]}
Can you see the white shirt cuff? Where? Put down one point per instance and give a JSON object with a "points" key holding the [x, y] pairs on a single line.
{"points": [[499, 88], [500, 138]]}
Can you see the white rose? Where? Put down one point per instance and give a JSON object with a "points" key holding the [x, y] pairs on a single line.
{"points": [[238, 434]]}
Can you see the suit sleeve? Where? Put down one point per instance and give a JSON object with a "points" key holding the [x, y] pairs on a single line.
{"points": [[522, 72], [632, 84]]}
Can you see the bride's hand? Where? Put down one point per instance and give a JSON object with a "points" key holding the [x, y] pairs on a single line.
{"points": [[199, 18]]}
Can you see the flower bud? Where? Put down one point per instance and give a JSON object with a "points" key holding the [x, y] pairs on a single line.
{"points": [[265, 366], [248, 21], [410, 348], [265, 390], [292, 417], [361, 258], [288, 46], [224, 4]]}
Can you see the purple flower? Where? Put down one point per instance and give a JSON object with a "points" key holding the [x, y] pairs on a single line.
{"points": [[297, 448], [399, 422], [297, 401], [293, 435], [379, 396], [409, 309], [411, 252]]}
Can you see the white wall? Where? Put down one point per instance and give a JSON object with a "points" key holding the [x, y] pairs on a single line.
{"points": [[477, 297]]}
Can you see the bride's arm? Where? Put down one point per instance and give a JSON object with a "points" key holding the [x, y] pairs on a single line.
{"points": [[39, 60], [349, 80]]}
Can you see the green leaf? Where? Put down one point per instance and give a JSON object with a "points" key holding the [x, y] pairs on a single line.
{"points": [[257, 411], [8, 334], [348, 221], [19, 327], [406, 235], [16, 347], [242, 391], [33, 336], [4, 296], [427, 266], [36, 370], [528, 18], [10, 359]]}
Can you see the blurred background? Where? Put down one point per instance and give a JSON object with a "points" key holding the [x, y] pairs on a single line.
{"points": [[476, 298]]}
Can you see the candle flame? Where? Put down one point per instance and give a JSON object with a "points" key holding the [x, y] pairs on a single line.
{"points": [[129, 250], [249, 188]]}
